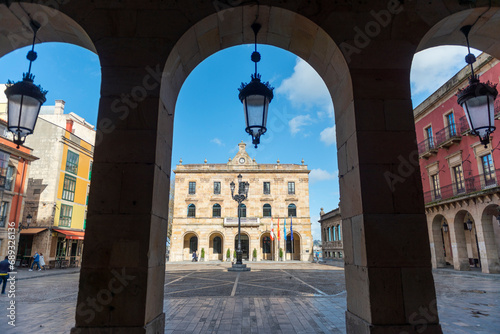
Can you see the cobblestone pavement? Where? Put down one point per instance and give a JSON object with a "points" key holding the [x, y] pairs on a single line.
{"points": [[272, 298]]}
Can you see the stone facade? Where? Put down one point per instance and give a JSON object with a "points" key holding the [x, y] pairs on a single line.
{"points": [[460, 177], [206, 217], [331, 234]]}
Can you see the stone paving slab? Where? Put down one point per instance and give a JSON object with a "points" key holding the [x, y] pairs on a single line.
{"points": [[468, 302]]}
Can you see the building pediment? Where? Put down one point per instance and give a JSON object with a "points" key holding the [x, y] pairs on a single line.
{"points": [[242, 158]]}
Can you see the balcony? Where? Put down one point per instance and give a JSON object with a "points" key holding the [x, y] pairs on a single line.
{"points": [[497, 109], [463, 125], [448, 136], [427, 148], [470, 185]]}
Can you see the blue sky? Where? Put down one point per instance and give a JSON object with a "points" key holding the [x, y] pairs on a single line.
{"points": [[209, 121]]}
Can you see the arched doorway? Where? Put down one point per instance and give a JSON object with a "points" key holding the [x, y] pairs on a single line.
{"points": [[245, 245], [440, 241], [458, 241], [216, 246], [190, 246], [293, 249], [267, 247]]}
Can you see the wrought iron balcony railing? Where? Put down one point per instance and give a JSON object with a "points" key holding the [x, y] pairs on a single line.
{"points": [[447, 136], [427, 147], [469, 185]]}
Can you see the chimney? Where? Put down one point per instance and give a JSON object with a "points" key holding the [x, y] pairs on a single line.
{"points": [[59, 108], [69, 125]]}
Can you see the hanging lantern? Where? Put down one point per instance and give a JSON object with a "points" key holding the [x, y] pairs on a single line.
{"points": [[24, 99], [256, 97], [477, 100]]}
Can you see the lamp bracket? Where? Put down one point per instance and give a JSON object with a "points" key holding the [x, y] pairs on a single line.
{"points": [[256, 28]]}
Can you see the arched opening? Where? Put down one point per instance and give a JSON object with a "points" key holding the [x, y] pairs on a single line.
{"points": [[267, 247], [488, 235], [245, 245], [216, 210], [216, 246], [441, 250], [190, 245], [293, 250]]}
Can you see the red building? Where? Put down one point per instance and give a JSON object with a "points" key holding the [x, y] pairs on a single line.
{"points": [[460, 177]]}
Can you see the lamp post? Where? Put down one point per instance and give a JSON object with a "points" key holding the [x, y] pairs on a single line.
{"points": [[28, 222], [24, 99], [239, 197], [256, 97], [445, 227], [477, 100]]}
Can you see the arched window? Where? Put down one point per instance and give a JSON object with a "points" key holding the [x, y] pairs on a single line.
{"points": [[334, 229], [243, 210], [292, 210], [217, 245], [191, 210], [193, 244], [216, 210], [266, 245], [266, 210], [330, 234], [339, 233], [325, 235]]}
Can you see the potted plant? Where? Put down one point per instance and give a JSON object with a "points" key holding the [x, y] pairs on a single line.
{"points": [[254, 255], [202, 257], [281, 254], [228, 255]]}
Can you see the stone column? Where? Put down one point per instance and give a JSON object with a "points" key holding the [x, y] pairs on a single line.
{"points": [[436, 244], [123, 267], [458, 243], [390, 287], [487, 246]]}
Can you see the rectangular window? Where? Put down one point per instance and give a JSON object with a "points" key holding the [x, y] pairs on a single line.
{"points": [[192, 188], [4, 208], [267, 188], [65, 216], [69, 186], [488, 170], [291, 188], [459, 179], [216, 188], [9, 181], [436, 189], [450, 119], [72, 162], [430, 137]]}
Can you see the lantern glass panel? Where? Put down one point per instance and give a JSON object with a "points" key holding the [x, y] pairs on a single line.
{"points": [[480, 113], [256, 107], [29, 113]]}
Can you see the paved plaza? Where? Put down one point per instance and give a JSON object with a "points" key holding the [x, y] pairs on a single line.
{"points": [[272, 298]]}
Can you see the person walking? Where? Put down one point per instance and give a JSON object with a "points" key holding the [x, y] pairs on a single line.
{"points": [[317, 257], [36, 260], [4, 272], [42, 261], [195, 257]]}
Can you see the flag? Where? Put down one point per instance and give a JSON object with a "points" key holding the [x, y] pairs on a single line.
{"points": [[272, 230], [284, 230], [291, 228], [278, 230]]}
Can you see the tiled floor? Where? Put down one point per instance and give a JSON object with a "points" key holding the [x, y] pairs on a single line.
{"points": [[272, 298]]}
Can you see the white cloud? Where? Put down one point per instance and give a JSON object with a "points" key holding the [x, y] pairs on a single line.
{"points": [[298, 122], [217, 141], [329, 135], [305, 88], [431, 68], [319, 174]]}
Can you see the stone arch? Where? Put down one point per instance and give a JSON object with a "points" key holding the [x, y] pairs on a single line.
{"points": [[246, 244], [297, 246], [266, 246], [447, 30], [486, 235], [212, 253], [189, 239]]}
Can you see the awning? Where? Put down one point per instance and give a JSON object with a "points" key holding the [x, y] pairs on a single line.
{"points": [[31, 231], [73, 235]]}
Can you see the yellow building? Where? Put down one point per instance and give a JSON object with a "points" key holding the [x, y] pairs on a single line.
{"points": [[58, 187], [206, 217]]}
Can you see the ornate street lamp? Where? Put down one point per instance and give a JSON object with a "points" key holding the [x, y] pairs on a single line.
{"points": [[256, 97], [24, 99], [28, 222], [469, 224], [477, 100], [239, 197], [445, 227]]}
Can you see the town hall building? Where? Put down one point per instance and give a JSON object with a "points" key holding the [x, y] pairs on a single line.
{"points": [[206, 218]]}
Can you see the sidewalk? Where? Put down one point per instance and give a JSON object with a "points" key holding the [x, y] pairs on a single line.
{"points": [[24, 273]]}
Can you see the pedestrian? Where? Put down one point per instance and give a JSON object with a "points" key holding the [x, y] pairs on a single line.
{"points": [[317, 257], [36, 260], [195, 257], [42, 261], [4, 272]]}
